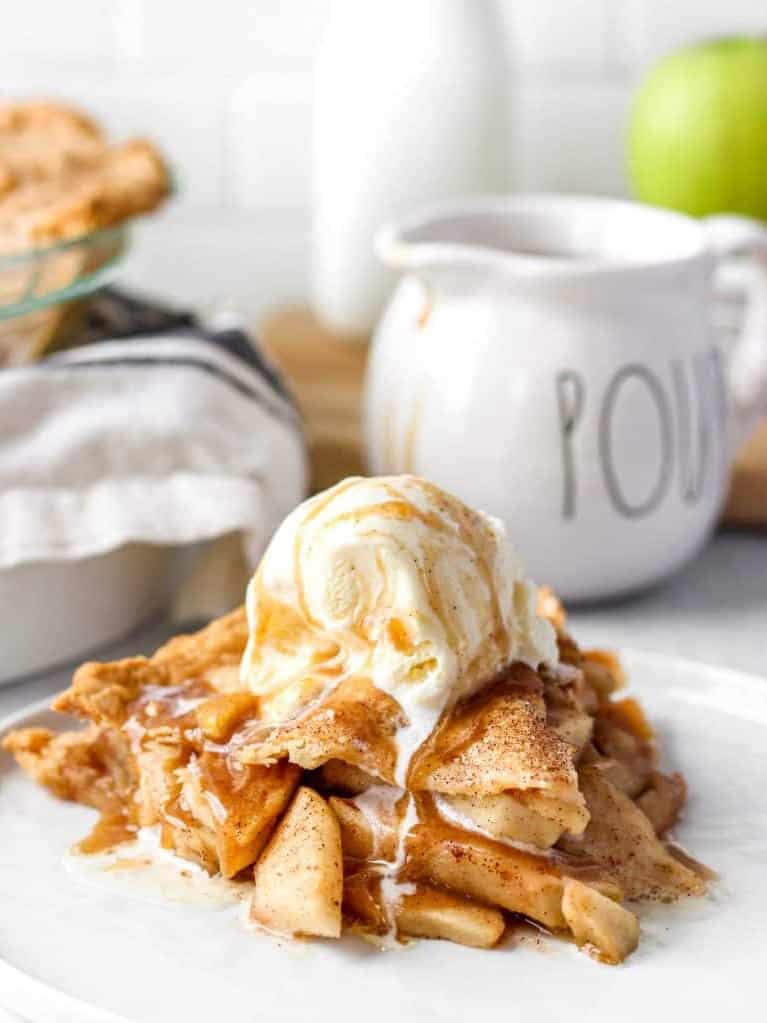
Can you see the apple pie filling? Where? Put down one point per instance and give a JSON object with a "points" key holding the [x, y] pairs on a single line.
{"points": [[539, 797]]}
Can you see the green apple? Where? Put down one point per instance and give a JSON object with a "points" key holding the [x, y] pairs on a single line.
{"points": [[698, 135]]}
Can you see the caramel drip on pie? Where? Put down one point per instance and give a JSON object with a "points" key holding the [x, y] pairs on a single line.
{"points": [[321, 502], [459, 515], [108, 831], [171, 706], [397, 508], [432, 828]]}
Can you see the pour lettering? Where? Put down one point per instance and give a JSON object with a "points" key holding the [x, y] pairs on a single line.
{"points": [[688, 414]]}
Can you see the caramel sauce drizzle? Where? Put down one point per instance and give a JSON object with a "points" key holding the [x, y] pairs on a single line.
{"points": [[321, 502], [110, 830]]}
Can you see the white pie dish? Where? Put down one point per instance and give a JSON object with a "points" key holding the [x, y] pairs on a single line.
{"points": [[101, 950], [57, 611]]}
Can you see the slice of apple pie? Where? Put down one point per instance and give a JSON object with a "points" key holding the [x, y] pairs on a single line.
{"points": [[396, 734]]}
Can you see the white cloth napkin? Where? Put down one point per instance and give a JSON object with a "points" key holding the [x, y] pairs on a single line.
{"points": [[172, 439]]}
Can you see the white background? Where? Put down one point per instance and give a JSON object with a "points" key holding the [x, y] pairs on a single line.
{"points": [[225, 87]]}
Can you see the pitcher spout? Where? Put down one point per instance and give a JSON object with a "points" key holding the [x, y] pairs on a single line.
{"points": [[434, 240]]}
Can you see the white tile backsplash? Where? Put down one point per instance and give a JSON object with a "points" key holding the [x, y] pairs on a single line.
{"points": [[250, 262], [569, 138], [260, 34], [226, 89], [62, 30], [656, 27], [556, 37], [269, 143], [185, 115]]}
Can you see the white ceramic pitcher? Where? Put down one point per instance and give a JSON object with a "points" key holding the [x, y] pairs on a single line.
{"points": [[555, 361]]}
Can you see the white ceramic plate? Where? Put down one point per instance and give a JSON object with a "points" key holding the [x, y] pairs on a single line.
{"points": [[106, 948]]}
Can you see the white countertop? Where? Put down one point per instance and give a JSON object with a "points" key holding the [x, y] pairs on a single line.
{"points": [[714, 611]]}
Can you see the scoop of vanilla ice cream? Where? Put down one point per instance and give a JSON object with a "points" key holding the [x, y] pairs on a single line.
{"points": [[393, 580]]}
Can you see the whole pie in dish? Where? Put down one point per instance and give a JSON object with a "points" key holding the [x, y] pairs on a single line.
{"points": [[60, 178], [396, 736], [64, 189]]}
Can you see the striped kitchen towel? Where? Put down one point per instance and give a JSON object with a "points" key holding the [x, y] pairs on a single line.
{"points": [[170, 432]]}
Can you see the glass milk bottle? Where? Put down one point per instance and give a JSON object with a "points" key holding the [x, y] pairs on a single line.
{"points": [[409, 109]]}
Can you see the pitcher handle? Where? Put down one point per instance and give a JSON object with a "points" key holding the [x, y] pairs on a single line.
{"points": [[732, 238]]}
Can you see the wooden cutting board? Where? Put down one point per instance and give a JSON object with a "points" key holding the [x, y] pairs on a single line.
{"points": [[326, 375], [747, 503]]}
